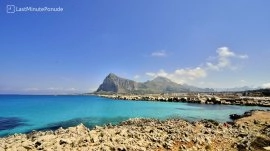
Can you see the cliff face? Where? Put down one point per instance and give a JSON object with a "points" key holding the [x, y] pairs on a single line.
{"points": [[115, 84]]}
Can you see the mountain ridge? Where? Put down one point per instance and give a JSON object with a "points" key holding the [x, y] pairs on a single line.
{"points": [[115, 84]]}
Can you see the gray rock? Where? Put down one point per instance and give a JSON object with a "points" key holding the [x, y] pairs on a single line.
{"points": [[114, 84]]}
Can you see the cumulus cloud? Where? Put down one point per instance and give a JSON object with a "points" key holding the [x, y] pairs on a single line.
{"points": [[224, 59], [160, 73], [180, 75], [191, 73], [266, 85], [161, 53]]}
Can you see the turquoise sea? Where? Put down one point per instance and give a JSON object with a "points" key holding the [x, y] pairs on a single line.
{"points": [[24, 113]]}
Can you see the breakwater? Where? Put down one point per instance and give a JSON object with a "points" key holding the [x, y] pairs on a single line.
{"points": [[198, 98]]}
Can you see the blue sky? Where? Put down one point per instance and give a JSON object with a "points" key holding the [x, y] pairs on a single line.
{"points": [[203, 43]]}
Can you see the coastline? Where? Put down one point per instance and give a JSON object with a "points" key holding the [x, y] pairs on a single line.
{"points": [[194, 98], [247, 133]]}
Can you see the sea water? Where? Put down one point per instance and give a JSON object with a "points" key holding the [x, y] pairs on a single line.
{"points": [[24, 113]]}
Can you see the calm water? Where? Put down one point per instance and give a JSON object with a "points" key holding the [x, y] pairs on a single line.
{"points": [[21, 113]]}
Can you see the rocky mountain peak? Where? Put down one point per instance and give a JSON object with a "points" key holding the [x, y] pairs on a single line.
{"points": [[112, 75], [113, 83]]}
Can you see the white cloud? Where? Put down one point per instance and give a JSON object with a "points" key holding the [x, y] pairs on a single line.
{"points": [[161, 53], [266, 85], [224, 59], [225, 52], [181, 75], [191, 73], [160, 73]]}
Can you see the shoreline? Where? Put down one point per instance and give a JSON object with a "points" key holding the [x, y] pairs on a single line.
{"points": [[194, 98], [249, 133]]}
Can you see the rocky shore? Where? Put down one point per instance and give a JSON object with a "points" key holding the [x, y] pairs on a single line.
{"points": [[247, 133], [199, 98]]}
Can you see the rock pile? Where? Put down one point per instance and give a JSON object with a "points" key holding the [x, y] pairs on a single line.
{"points": [[202, 99]]}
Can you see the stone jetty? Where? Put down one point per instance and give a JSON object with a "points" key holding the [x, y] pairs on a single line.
{"points": [[195, 98], [248, 133]]}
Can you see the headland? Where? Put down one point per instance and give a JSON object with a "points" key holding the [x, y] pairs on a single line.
{"points": [[165, 90]]}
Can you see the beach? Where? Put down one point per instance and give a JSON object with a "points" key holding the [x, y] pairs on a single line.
{"points": [[247, 133]]}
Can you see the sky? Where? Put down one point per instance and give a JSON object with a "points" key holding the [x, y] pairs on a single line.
{"points": [[208, 44]]}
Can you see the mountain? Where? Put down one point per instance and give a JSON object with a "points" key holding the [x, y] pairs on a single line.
{"points": [[114, 84], [162, 85]]}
